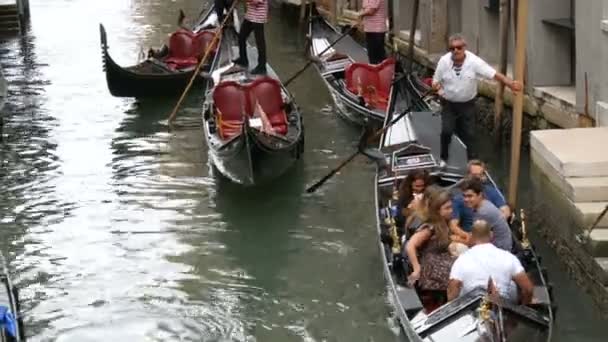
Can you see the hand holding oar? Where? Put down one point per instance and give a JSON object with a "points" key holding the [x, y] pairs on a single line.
{"points": [[362, 143], [352, 28], [200, 64]]}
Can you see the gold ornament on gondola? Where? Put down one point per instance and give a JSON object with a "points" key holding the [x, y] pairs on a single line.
{"points": [[525, 243], [484, 309], [390, 221]]}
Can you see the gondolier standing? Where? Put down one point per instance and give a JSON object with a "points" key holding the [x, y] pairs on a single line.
{"points": [[255, 18], [455, 80], [373, 17], [220, 6]]}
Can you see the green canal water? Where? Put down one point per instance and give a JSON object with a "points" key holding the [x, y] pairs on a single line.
{"points": [[115, 229]]}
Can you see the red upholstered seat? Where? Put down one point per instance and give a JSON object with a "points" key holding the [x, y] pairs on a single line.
{"points": [[202, 40], [181, 46], [230, 100], [267, 92], [386, 72], [372, 82], [233, 101], [428, 81]]}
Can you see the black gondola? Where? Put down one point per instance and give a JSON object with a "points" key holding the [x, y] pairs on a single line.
{"points": [[362, 92], [166, 71], [250, 144], [11, 323], [413, 144]]}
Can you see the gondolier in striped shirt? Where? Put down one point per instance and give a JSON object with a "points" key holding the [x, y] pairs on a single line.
{"points": [[455, 80], [373, 17], [255, 18]]}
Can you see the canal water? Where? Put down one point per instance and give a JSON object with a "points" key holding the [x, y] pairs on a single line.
{"points": [[116, 229]]}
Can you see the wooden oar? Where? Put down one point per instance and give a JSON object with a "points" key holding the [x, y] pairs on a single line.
{"points": [[376, 134], [585, 235], [200, 64], [352, 28]]}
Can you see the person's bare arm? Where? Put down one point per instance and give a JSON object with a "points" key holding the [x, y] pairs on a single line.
{"points": [[506, 212], [526, 287], [415, 242], [369, 10], [454, 288], [514, 85], [457, 230]]}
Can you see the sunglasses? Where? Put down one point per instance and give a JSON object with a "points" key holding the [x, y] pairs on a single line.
{"points": [[456, 47]]}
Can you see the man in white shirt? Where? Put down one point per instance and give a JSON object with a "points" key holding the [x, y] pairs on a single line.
{"points": [[455, 80], [483, 262]]}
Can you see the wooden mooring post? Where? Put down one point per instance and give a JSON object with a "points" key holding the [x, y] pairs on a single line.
{"points": [[518, 101]]}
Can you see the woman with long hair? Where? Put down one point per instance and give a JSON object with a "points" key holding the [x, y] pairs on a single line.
{"points": [[411, 188], [428, 252]]}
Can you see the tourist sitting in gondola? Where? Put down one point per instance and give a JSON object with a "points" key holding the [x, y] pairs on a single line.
{"points": [[462, 219], [428, 253], [481, 208], [486, 264], [412, 187], [255, 19]]}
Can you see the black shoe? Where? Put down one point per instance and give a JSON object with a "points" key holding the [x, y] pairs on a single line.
{"points": [[259, 70], [240, 62]]}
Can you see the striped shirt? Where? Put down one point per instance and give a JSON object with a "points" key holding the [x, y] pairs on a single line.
{"points": [[257, 11], [377, 21]]}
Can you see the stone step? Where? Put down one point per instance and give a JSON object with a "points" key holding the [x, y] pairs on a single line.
{"points": [[599, 243], [589, 211], [587, 189], [576, 152]]}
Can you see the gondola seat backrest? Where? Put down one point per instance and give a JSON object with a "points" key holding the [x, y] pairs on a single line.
{"points": [[386, 72], [181, 50], [231, 105], [202, 41], [372, 82], [267, 92]]}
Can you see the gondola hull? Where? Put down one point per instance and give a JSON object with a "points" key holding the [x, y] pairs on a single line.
{"points": [[151, 78], [249, 161], [250, 157], [124, 83], [349, 105], [413, 144]]}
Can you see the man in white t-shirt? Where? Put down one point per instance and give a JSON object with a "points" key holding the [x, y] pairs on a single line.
{"points": [[455, 80], [483, 262]]}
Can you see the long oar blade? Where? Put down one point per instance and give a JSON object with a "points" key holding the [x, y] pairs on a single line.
{"points": [[322, 181], [313, 59]]}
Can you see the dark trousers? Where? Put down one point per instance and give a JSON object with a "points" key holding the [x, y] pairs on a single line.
{"points": [[457, 117], [220, 6], [375, 47], [258, 29]]}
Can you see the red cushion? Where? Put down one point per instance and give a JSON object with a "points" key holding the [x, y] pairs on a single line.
{"points": [[386, 72], [372, 81], [233, 100], [181, 44], [267, 92], [359, 76], [230, 99], [202, 40]]}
